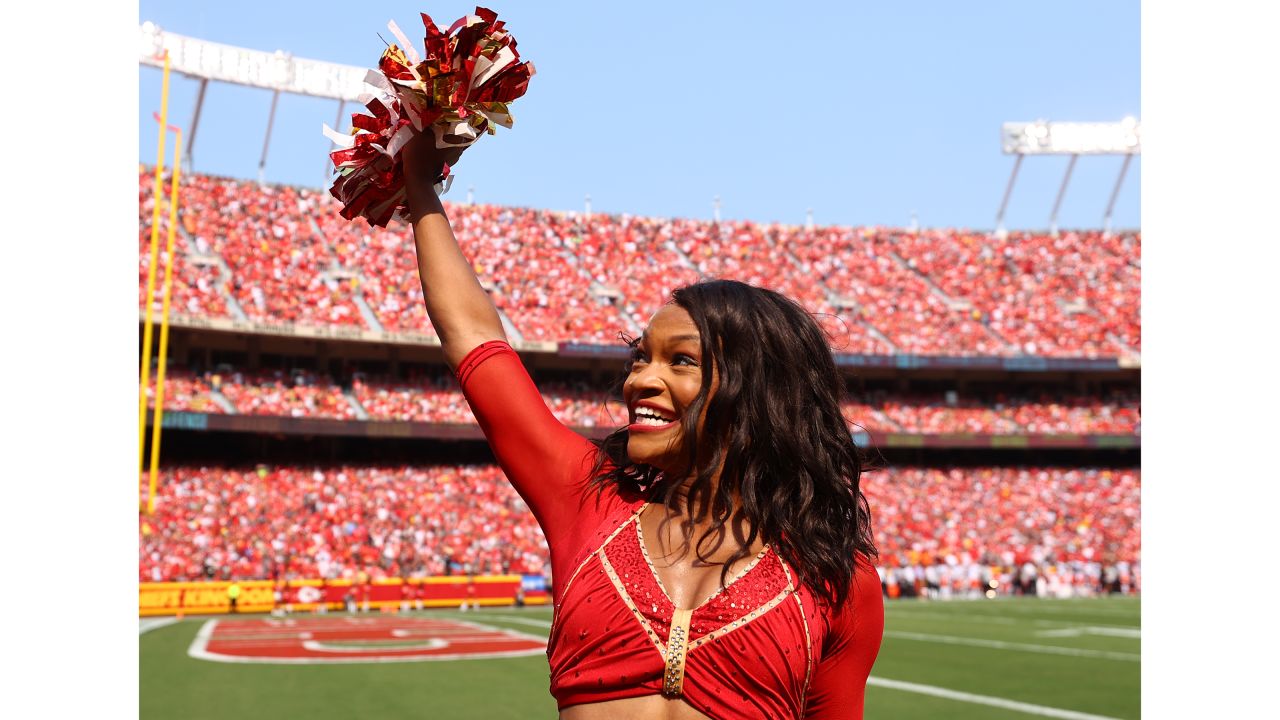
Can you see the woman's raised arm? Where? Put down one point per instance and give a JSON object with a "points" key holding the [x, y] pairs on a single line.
{"points": [[544, 460], [460, 309]]}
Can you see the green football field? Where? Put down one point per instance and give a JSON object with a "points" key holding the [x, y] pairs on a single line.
{"points": [[1006, 658]]}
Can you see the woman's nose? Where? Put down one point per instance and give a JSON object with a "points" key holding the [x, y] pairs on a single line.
{"points": [[645, 379]]}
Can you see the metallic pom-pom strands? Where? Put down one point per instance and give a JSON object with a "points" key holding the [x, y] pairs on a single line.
{"points": [[457, 92]]}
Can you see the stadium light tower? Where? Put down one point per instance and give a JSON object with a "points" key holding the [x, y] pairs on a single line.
{"points": [[715, 208], [277, 71], [1075, 139]]}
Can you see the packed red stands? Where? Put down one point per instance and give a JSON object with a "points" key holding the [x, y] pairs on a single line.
{"points": [[330, 522], [568, 277], [194, 289], [1043, 415], [393, 521], [183, 390], [438, 400], [276, 393], [889, 297], [1047, 296], [1003, 515], [422, 401], [634, 256], [525, 255], [386, 263], [281, 268]]}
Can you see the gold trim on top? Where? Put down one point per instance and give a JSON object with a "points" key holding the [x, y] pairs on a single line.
{"points": [[649, 561], [631, 604], [677, 651], [808, 653], [742, 621], [555, 609]]}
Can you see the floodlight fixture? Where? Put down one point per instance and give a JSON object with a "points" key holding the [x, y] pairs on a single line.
{"points": [[1042, 137], [276, 71], [1072, 138]]}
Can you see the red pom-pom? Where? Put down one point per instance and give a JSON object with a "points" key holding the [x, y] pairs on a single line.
{"points": [[457, 91]]}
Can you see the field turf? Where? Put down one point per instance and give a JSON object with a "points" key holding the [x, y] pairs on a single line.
{"points": [[1005, 658]]}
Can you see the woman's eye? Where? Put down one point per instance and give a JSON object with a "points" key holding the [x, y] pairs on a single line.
{"points": [[682, 359]]}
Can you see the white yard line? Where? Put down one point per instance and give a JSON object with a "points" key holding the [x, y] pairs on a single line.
{"points": [[1021, 647], [1028, 708], [149, 624], [1104, 630]]}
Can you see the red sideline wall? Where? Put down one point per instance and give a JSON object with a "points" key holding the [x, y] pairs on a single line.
{"points": [[203, 598]]}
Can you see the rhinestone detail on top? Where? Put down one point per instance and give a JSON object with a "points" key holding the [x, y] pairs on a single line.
{"points": [[677, 649]]}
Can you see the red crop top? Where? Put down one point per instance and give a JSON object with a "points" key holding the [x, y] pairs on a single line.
{"points": [[762, 647]]}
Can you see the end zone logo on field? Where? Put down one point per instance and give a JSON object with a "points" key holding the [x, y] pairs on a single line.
{"points": [[328, 640]]}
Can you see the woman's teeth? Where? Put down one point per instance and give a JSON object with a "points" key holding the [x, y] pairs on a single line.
{"points": [[645, 416]]}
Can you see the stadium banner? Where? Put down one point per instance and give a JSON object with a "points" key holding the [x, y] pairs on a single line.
{"points": [[183, 420], [260, 596]]}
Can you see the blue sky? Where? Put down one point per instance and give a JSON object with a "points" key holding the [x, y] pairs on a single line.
{"points": [[863, 111]]}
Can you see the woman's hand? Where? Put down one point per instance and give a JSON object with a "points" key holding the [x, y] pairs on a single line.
{"points": [[423, 161]]}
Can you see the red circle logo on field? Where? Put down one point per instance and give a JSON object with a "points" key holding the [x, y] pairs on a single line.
{"points": [[341, 639]]}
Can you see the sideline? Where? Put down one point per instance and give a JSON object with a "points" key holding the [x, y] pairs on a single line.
{"points": [[1023, 647], [1030, 709]]}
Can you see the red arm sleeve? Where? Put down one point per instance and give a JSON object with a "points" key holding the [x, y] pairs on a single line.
{"points": [[546, 462], [840, 681]]}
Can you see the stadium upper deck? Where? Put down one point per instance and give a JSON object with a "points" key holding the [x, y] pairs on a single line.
{"points": [[282, 254]]}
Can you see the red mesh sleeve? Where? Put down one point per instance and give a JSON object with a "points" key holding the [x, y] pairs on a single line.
{"points": [[840, 681], [548, 463]]}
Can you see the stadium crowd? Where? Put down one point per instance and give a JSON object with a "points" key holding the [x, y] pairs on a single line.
{"points": [[572, 277], [293, 522], [185, 391], [296, 394], [439, 400], [974, 532], [967, 526], [194, 289]]}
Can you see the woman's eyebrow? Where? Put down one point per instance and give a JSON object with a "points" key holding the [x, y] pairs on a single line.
{"points": [[682, 338]]}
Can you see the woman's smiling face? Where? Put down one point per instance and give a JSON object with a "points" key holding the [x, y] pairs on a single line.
{"points": [[665, 378]]}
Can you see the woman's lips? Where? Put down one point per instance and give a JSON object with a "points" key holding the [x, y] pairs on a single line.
{"points": [[636, 427]]}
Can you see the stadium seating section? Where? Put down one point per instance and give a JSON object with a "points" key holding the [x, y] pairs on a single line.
{"points": [[438, 400], [277, 254], [283, 254], [403, 521]]}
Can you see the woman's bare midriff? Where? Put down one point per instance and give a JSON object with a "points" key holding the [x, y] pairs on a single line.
{"points": [[649, 707]]}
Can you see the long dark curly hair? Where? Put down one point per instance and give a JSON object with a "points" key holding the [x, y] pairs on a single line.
{"points": [[774, 433]]}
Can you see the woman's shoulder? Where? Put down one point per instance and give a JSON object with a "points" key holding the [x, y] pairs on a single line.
{"points": [[865, 595], [865, 602]]}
